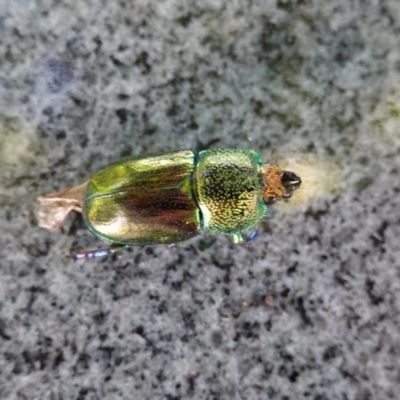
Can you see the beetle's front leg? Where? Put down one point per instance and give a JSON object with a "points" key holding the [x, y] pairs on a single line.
{"points": [[245, 239], [84, 254], [252, 236]]}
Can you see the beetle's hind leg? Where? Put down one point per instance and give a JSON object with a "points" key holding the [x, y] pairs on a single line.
{"points": [[85, 254]]}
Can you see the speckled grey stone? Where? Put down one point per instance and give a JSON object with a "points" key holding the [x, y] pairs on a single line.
{"points": [[311, 311]]}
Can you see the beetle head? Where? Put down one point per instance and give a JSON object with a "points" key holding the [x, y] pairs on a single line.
{"points": [[277, 183]]}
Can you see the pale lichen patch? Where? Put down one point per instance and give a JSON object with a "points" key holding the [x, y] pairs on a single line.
{"points": [[321, 177], [18, 142], [385, 120]]}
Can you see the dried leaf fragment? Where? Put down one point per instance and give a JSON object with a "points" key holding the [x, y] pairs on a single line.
{"points": [[54, 207]]}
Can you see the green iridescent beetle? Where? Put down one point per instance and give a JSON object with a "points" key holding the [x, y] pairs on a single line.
{"points": [[173, 197]]}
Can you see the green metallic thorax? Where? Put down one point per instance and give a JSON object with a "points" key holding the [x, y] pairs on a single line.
{"points": [[172, 197], [229, 190]]}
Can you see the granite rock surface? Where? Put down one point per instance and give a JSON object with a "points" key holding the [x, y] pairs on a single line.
{"points": [[311, 311]]}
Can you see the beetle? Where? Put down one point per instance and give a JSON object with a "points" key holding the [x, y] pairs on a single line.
{"points": [[169, 198]]}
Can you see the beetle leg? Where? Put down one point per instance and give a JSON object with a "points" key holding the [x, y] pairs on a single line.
{"points": [[245, 239], [238, 238], [251, 237], [84, 254]]}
